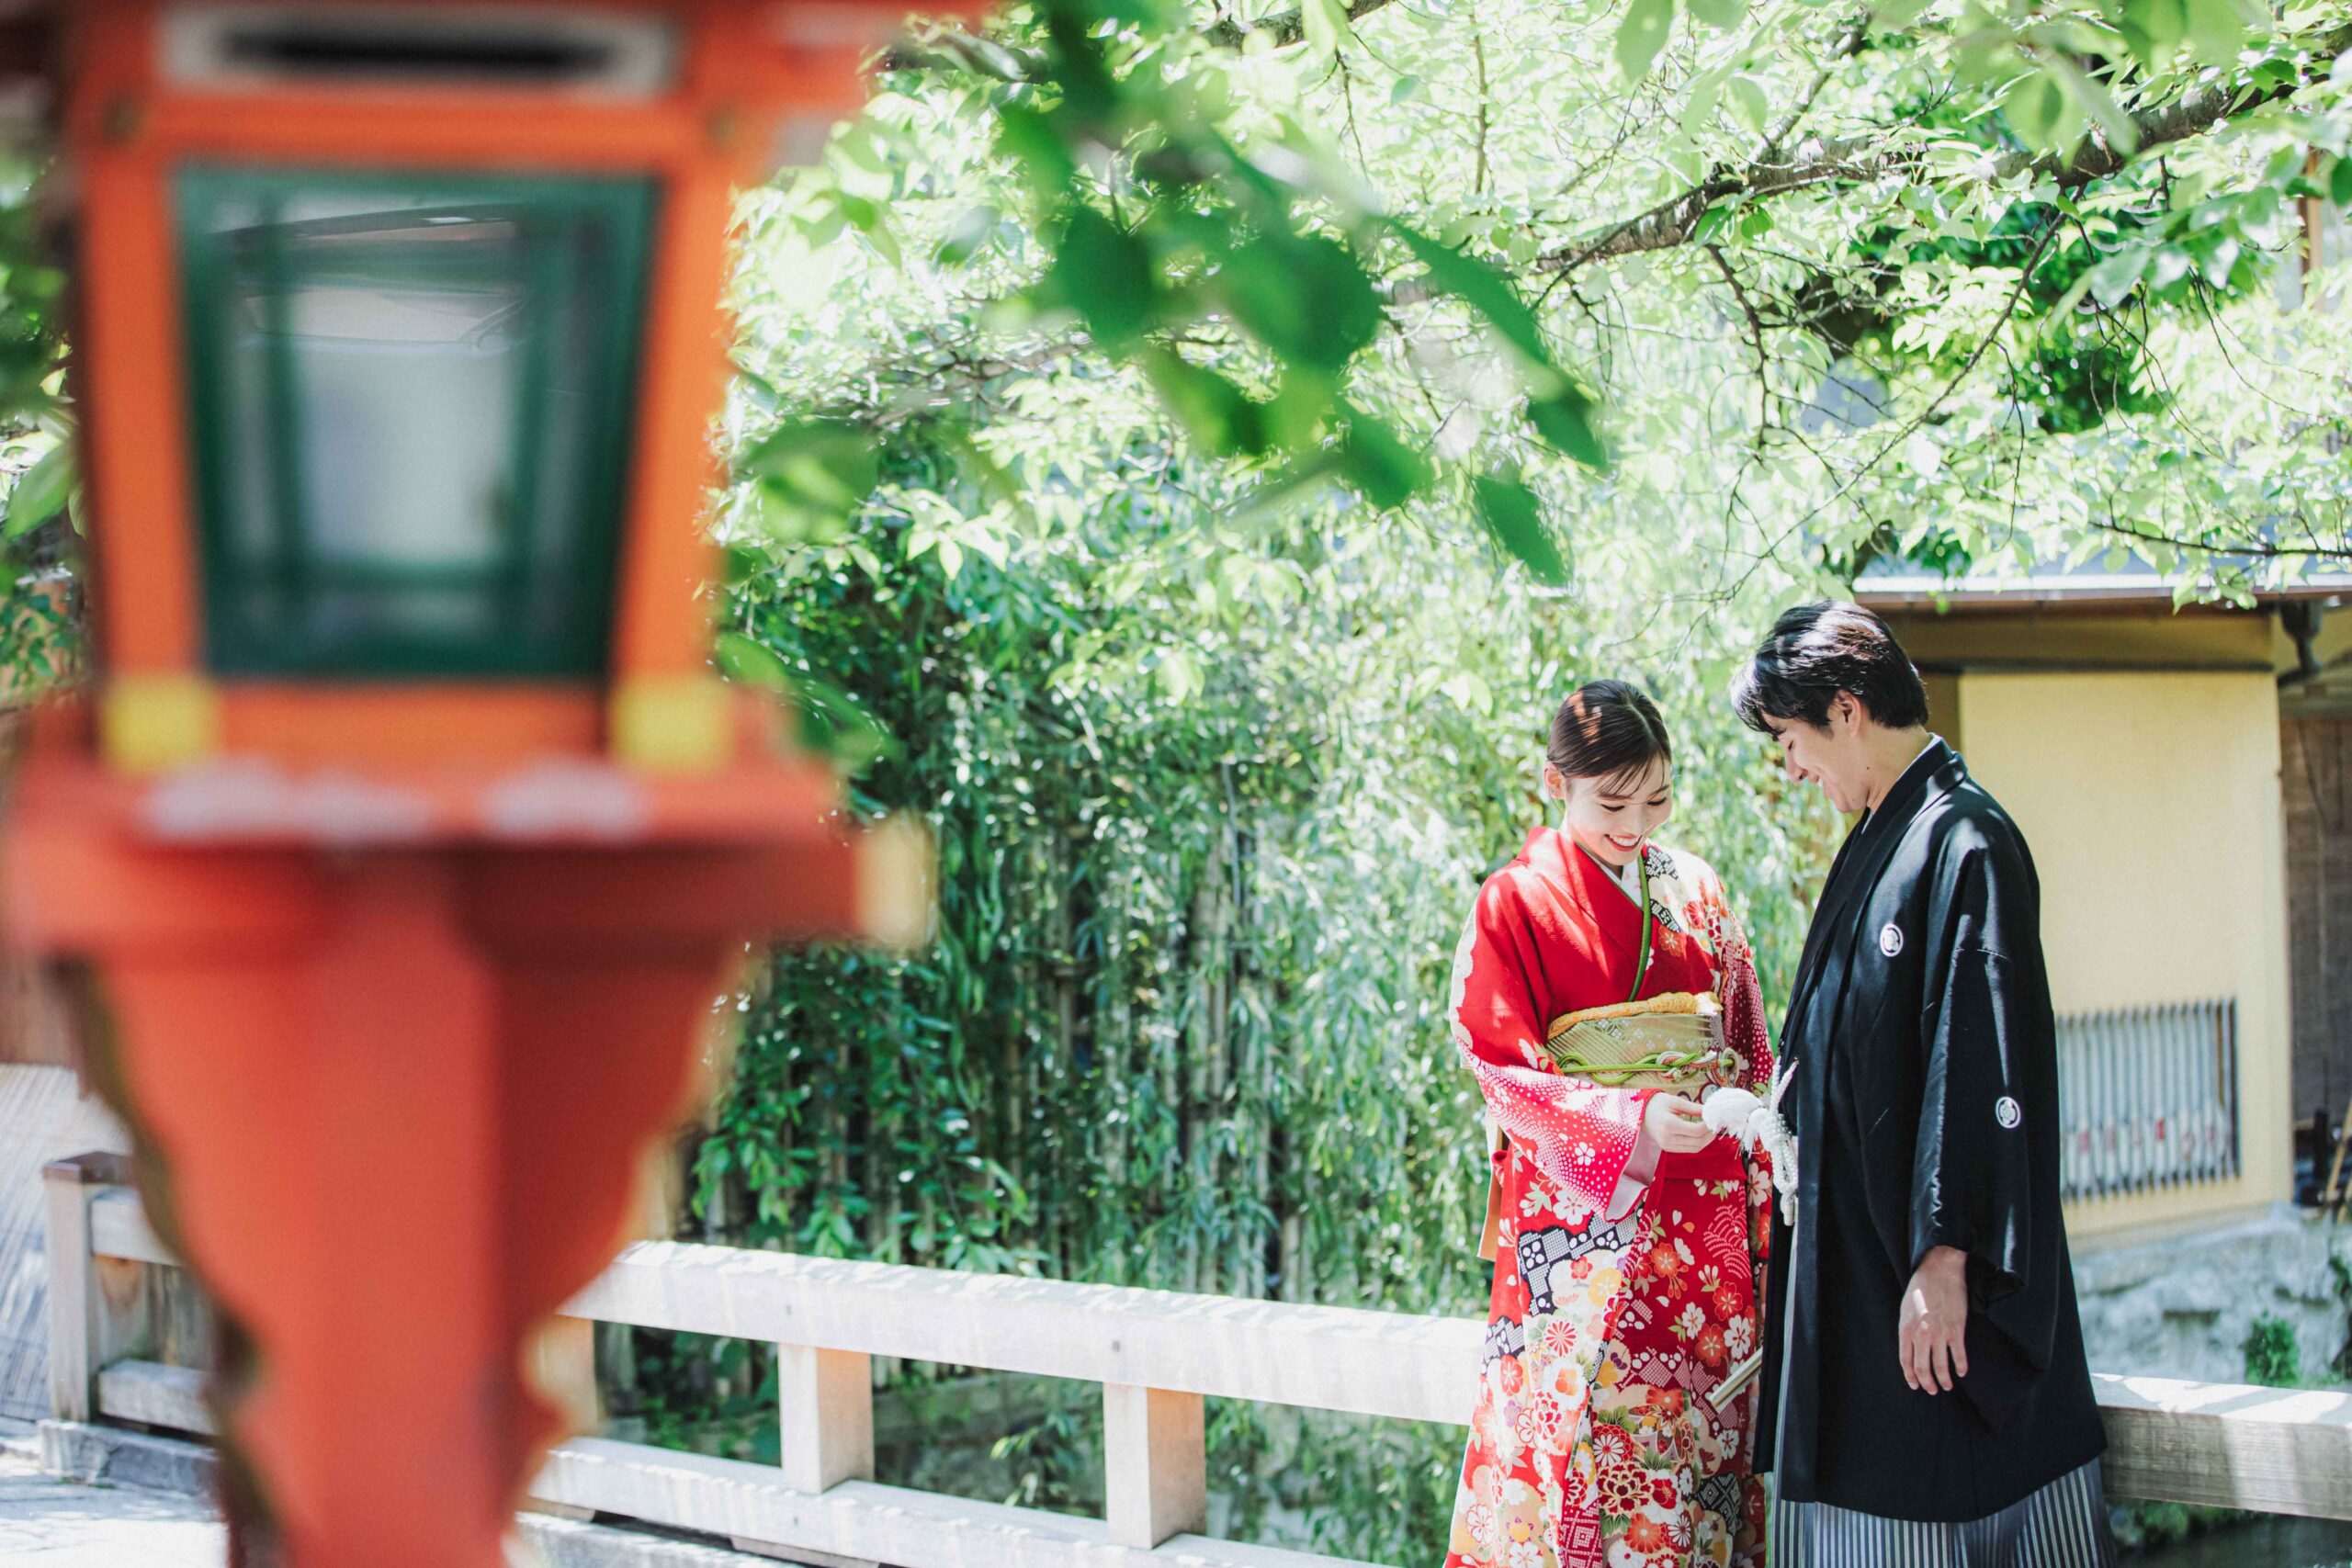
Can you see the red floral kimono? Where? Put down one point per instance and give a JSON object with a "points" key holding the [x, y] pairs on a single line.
{"points": [[1615, 1314]]}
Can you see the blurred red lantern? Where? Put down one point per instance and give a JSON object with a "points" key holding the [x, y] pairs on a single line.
{"points": [[406, 825]]}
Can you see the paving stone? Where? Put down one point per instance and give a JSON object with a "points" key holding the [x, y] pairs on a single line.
{"points": [[48, 1523], [111, 1456]]}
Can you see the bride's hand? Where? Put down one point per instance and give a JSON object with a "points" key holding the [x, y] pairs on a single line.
{"points": [[1674, 1125]]}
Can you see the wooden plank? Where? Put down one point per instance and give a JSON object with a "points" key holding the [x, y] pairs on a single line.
{"points": [[1155, 1465], [118, 1228], [808, 1557], [556, 1511], [827, 1400], [2273, 1450], [180, 1317], [560, 1363], [44, 1116], [73, 1292], [122, 1326], [156, 1395], [37, 1018], [1372, 1363], [862, 1520]]}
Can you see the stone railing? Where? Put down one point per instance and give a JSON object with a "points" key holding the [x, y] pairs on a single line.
{"points": [[1158, 1355]]}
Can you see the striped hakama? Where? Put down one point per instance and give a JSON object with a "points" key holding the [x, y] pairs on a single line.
{"points": [[2063, 1525]]}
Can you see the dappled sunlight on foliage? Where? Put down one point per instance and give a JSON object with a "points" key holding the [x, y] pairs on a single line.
{"points": [[1146, 474], [1182, 456]]}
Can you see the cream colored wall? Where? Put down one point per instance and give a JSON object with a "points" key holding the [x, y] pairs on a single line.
{"points": [[1943, 706], [2151, 804]]}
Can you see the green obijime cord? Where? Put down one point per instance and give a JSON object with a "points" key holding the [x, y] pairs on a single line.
{"points": [[1641, 963]]}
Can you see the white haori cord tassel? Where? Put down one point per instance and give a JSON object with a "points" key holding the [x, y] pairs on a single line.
{"points": [[1758, 1123]]}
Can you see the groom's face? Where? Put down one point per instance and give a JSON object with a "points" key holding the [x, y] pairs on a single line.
{"points": [[1831, 755]]}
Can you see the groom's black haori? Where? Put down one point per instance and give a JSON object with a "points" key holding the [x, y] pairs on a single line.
{"points": [[1925, 1100]]}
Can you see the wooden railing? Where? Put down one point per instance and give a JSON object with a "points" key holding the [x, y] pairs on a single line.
{"points": [[1157, 1354], [2149, 1096]]}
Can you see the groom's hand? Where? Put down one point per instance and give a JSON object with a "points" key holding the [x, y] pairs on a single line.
{"points": [[1932, 1343]]}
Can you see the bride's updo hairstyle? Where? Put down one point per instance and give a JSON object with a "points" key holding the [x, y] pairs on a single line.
{"points": [[1608, 730]]}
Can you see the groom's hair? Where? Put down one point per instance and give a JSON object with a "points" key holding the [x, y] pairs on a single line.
{"points": [[1817, 650]]}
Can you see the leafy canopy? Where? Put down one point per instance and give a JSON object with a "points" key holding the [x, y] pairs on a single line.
{"points": [[1151, 464], [1859, 275]]}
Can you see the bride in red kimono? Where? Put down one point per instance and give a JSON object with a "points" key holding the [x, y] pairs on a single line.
{"points": [[1616, 1399]]}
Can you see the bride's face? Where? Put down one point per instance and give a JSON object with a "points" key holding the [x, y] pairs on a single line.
{"points": [[1611, 818]]}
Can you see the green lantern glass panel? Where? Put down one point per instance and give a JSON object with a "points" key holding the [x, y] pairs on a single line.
{"points": [[413, 398]]}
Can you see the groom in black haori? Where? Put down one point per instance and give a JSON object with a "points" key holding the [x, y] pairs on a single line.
{"points": [[1923, 1354]]}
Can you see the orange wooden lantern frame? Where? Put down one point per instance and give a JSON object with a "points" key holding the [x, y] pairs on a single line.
{"points": [[405, 976], [745, 66]]}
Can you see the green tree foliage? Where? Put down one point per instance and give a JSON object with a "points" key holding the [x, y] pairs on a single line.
{"points": [[1186, 456], [2274, 1353], [2006, 226], [1210, 814], [1183, 455], [38, 639]]}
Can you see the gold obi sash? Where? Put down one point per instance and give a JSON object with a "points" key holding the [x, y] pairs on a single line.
{"points": [[1673, 1042]]}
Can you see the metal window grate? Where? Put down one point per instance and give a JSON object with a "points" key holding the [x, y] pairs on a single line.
{"points": [[2149, 1097]]}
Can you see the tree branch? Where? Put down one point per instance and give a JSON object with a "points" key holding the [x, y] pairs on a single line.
{"points": [[2251, 549], [1854, 160], [957, 49], [1282, 29], [1478, 53], [1756, 337], [1935, 405], [953, 49], [1849, 44], [2194, 113], [1671, 222]]}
